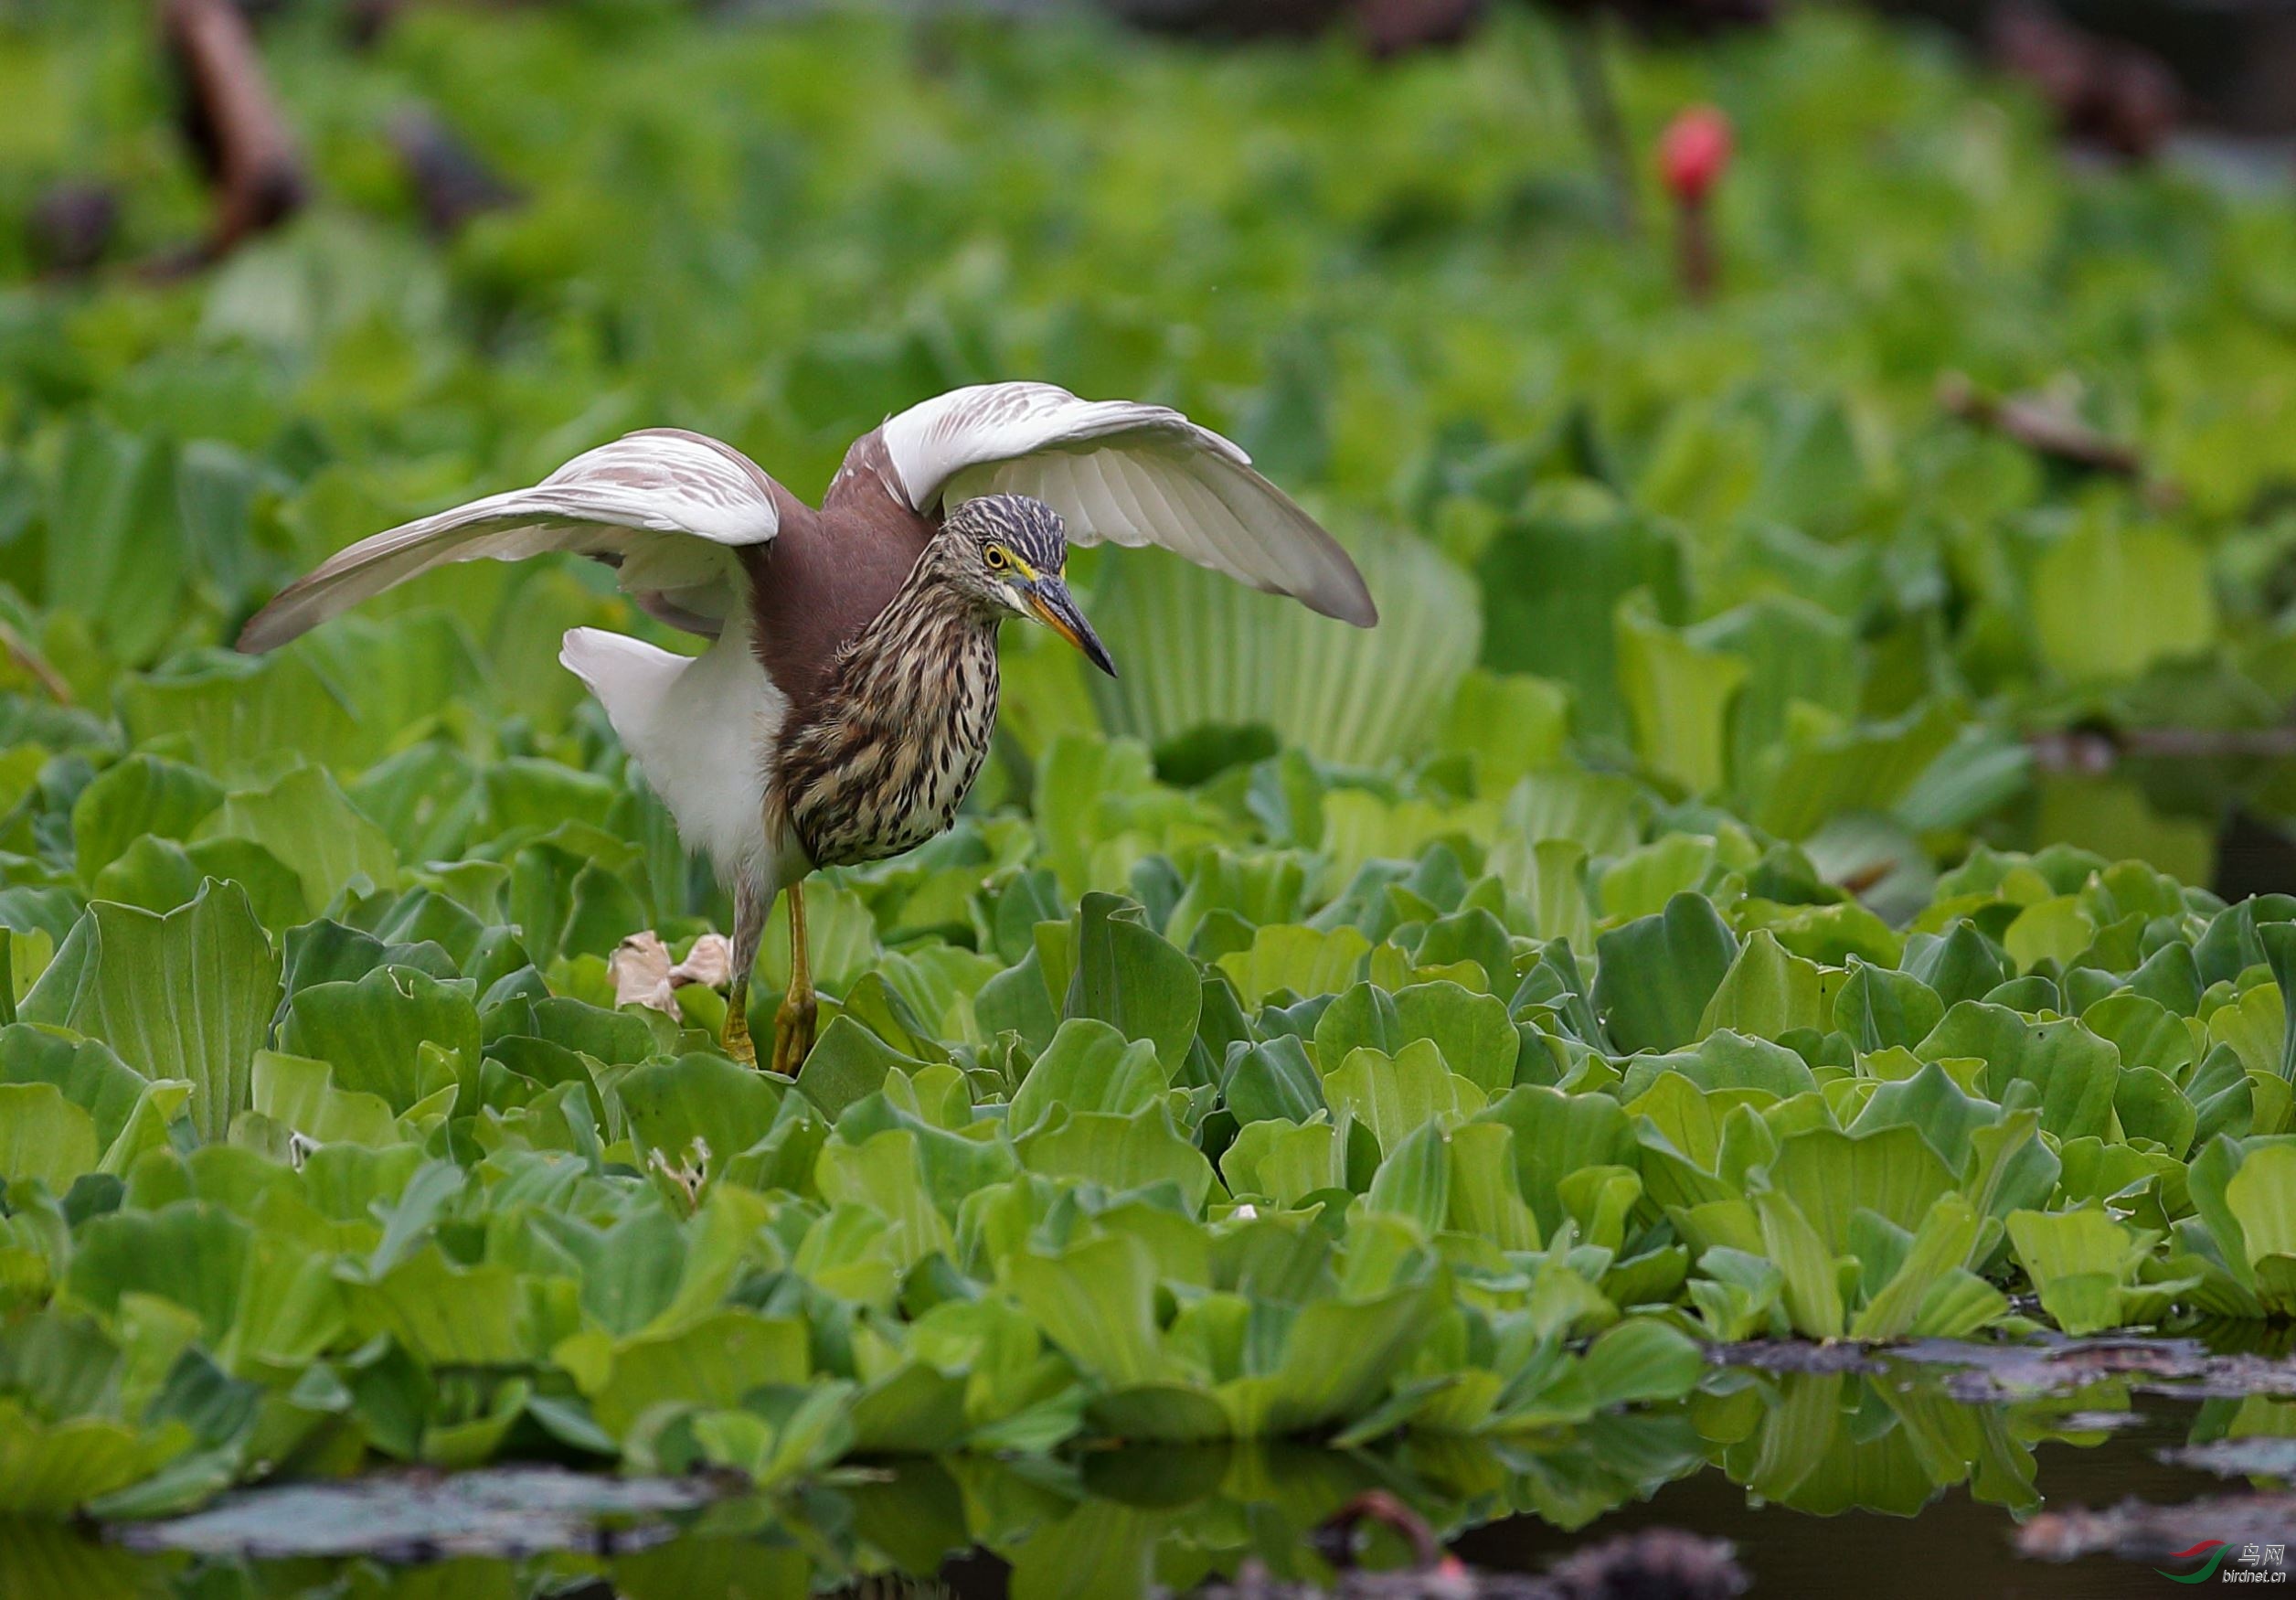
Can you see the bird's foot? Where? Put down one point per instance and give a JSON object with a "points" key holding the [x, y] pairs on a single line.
{"points": [[793, 1033], [735, 1040]]}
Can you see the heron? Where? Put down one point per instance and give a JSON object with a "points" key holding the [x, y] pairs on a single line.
{"points": [[848, 692]]}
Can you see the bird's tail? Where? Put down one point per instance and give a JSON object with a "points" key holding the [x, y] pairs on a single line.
{"points": [[631, 678], [701, 728]]}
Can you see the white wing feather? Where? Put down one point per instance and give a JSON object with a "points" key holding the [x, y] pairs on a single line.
{"points": [[1127, 473], [665, 504]]}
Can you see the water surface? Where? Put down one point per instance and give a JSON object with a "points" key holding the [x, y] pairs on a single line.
{"points": [[1910, 1476]]}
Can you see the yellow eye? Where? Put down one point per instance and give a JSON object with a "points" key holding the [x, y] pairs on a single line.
{"points": [[996, 558]]}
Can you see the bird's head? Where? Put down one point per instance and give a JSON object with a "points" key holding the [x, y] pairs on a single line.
{"points": [[1010, 553]]}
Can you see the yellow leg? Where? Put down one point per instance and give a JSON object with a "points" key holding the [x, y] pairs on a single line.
{"points": [[793, 1024], [749, 906], [735, 1037]]}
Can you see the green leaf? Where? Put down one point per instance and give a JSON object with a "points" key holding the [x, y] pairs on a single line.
{"points": [[2149, 1106], [141, 794], [1128, 977], [483, 1316], [713, 1365], [1275, 1080], [1396, 1095], [1934, 1107], [1962, 966], [1089, 1066], [1724, 1061], [1768, 992], [111, 490], [1811, 1287], [2078, 1262], [2278, 940], [2109, 601], [1473, 1032], [1123, 1152], [1678, 698], [1199, 650], [2146, 1033], [1554, 1134], [1881, 1010], [2075, 1072], [159, 875], [2056, 930], [1737, 1294], [1097, 1303], [1509, 724], [56, 1469], [129, 1111], [301, 1094], [1338, 1358], [1486, 1197], [1300, 959], [1414, 1181], [816, 1427], [1641, 1360], [187, 996], [1286, 1162], [192, 1254], [1259, 887], [881, 1177], [396, 1033], [1599, 812], [44, 1135], [1659, 973], [1551, 584], [2261, 1195], [1799, 656], [1830, 1176], [1826, 771], [848, 1064], [1363, 1017], [306, 822], [1016, 1000], [697, 1103], [1942, 1244]]}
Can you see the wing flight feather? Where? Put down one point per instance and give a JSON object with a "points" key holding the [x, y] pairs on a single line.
{"points": [[664, 505], [1126, 472]]}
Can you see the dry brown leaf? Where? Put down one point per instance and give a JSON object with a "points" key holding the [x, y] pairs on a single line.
{"points": [[640, 968]]}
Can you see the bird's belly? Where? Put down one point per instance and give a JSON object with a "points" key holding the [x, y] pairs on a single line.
{"points": [[891, 794]]}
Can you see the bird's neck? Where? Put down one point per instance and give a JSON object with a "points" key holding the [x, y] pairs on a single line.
{"points": [[900, 730], [929, 624]]}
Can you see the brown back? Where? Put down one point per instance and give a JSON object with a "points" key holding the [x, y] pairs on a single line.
{"points": [[827, 574]]}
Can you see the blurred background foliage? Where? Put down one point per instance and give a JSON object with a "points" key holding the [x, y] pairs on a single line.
{"points": [[1745, 536], [1764, 560]]}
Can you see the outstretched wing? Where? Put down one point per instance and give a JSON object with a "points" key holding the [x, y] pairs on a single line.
{"points": [[665, 507], [1127, 473]]}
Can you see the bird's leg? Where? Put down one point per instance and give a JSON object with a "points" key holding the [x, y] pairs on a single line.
{"points": [[749, 931], [793, 1024]]}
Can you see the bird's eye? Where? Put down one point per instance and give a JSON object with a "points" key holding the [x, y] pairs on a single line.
{"points": [[996, 558]]}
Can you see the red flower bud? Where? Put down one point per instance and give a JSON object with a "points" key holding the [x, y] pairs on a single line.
{"points": [[1694, 152]]}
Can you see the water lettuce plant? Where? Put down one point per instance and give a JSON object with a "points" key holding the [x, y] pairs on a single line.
{"points": [[1360, 1151]]}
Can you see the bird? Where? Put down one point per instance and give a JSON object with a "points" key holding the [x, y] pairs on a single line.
{"points": [[848, 692]]}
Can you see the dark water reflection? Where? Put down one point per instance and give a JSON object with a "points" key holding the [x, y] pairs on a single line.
{"points": [[1956, 1543], [1880, 1485]]}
